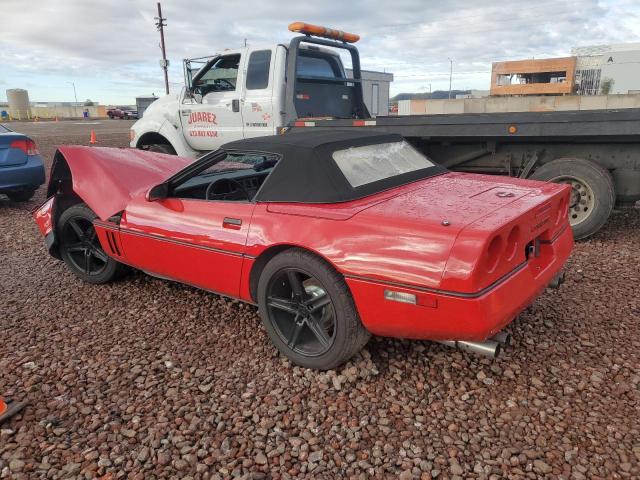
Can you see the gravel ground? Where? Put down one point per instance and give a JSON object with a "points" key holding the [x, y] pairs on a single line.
{"points": [[151, 379]]}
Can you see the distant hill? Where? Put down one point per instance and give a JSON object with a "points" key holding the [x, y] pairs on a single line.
{"points": [[437, 95]]}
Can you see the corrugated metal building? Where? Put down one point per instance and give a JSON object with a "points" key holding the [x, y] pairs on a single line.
{"points": [[375, 89]]}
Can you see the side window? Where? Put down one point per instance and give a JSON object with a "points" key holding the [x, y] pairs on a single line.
{"points": [[236, 177], [221, 77], [258, 71], [312, 66]]}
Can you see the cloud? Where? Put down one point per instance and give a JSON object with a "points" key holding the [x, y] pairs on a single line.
{"points": [[115, 43]]}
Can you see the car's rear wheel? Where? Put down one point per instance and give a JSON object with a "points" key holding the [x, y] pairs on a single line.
{"points": [[21, 195], [80, 248], [308, 311], [161, 148]]}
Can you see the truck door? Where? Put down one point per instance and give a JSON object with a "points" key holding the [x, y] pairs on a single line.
{"points": [[258, 110], [211, 114]]}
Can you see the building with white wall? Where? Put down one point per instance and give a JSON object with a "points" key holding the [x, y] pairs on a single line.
{"points": [[612, 69]]}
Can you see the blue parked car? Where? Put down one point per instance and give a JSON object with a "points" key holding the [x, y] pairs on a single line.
{"points": [[21, 167]]}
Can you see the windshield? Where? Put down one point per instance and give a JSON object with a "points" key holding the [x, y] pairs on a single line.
{"points": [[232, 162], [3, 129], [371, 163]]}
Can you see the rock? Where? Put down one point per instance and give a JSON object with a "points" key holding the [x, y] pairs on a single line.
{"points": [[541, 467], [406, 475], [143, 455], [260, 458], [456, 469], [16, 465], [315, 457]]}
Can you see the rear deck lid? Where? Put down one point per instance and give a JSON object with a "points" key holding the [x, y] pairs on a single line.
{"points": [[11, 156]]}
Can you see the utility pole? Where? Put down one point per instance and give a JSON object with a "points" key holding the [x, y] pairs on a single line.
{"points": [[75, 107], [450, 75], [160, 24]]}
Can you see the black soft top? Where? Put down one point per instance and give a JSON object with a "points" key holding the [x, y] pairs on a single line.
{"points": [[306, 171]]}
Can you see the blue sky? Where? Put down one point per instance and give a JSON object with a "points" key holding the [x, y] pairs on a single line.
{"points": [[110, 49]]}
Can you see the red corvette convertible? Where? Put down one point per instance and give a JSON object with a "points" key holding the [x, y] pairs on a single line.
{"points": [[334, 235]]}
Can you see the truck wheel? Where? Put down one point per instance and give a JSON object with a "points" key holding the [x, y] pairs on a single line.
{"points": [[162, 148], [593, 194], [308, 311]]}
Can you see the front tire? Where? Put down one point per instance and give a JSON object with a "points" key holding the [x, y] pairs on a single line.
{"points": [[308, 311], [593, 193], [80, 248], [161, 148]]}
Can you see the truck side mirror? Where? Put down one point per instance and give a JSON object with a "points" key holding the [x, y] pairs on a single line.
{"points": [[159, 192]]}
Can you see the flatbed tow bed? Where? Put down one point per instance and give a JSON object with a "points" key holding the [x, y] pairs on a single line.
{"points": [[596, 151]]}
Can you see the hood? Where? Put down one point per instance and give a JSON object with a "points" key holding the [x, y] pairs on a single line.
{"points": [[106, 179], [162, 104]]}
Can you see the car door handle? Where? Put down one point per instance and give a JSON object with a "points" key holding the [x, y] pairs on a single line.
{"points": [[235, 105], [233, 223], [186, 112]]}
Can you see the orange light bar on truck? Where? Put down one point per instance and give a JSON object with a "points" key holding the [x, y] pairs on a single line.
{"points": [[318, 31]]}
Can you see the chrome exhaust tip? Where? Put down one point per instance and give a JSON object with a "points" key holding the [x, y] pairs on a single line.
{"points": [[557, 281], [489, 348]]}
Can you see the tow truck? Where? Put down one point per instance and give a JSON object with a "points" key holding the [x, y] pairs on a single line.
{"points": [[270, 89]]}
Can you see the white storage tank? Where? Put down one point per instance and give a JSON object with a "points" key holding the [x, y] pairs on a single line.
{"points": [[18, 100]]}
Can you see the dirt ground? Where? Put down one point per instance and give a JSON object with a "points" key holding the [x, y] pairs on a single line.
{"points": [[145, 378]]}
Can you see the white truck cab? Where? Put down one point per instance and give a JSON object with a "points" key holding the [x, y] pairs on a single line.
{"points": [[245, 93]]}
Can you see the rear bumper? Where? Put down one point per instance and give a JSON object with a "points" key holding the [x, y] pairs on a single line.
{"points": [[19, 177], [457, 316]]}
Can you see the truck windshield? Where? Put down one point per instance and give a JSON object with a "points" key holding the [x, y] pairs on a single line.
{"points": [[370, 163]]}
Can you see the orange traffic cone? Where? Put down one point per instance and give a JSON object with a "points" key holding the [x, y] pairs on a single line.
{"points": [[92, 138], [9, 408]]}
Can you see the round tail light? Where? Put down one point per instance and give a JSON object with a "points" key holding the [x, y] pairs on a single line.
{"points": [[493, 253]]}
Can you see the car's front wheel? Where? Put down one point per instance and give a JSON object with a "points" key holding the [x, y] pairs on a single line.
{"points": [[308, 311], [80, 248]]}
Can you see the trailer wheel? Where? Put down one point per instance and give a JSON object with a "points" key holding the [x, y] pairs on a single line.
{"points": [[593, 194]]}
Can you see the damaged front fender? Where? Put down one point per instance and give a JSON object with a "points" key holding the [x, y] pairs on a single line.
{"points": [[106, 179]]}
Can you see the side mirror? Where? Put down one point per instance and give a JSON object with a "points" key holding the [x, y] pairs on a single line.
{"points": [[159, 192]]}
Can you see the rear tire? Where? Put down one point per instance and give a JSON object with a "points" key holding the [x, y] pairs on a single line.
{"points": [[593, 193], [318, 327], [80, 248], [21, 195], [162, 148]]}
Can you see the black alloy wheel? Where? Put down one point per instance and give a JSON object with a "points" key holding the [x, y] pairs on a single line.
{"points": [[80, 242], [80, 247], [302, 312], [308, 311]]}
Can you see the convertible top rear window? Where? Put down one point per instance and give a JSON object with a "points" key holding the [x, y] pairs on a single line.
{"points": [[370, 163]]}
